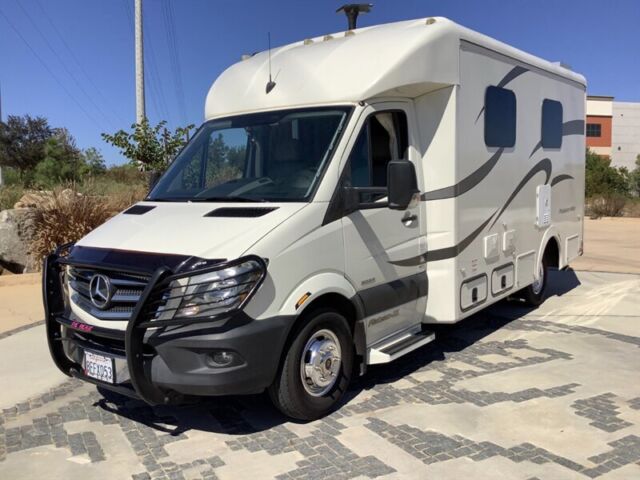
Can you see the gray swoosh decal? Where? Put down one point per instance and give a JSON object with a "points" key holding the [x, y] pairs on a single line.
{"points": [[543, 165], [511, 74], [572, 127], [466, 183], [560, 178], [536, 148], [443, 253]]}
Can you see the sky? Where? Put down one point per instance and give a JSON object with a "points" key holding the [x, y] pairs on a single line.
{"points": [[72, 61]]}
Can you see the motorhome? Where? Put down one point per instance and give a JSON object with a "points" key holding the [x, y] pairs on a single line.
{"points": [[343, 194]]}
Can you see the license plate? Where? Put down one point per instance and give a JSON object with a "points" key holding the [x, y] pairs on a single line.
{"points": [[99, 367]]}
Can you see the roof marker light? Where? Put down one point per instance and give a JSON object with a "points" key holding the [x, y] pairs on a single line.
{"points": [[307, 41], [326, 38]]}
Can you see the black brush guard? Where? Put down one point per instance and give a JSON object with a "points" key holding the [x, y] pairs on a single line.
{"points": [[141, 385]]}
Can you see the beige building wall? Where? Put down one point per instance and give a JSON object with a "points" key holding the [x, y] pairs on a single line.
{"points": [[625, 134]]}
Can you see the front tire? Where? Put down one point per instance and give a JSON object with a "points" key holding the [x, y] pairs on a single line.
{"points": [[316, 369], [534, 294]]}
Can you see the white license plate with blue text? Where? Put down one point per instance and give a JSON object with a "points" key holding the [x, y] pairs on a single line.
{"points": [[99, 367]]}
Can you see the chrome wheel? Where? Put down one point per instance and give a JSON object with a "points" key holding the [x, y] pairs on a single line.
{"points": [[320, 362], [538, 283]]}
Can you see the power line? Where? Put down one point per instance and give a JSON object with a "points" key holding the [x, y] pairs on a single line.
{"points": [[174, 57], [53, 75], [75, 59], [64, 65]]}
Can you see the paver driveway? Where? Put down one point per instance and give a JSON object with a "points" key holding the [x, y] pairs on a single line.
{"points": [[510, 393]]}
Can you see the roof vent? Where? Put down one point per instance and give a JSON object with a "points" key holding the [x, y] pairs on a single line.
{"points": [[352, 10], [430, 21], [240, 212]]}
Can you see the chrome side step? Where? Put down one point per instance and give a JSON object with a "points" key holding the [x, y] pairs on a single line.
{"points": [[396, 347]]}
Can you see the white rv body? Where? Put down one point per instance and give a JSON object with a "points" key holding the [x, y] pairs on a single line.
{"points": [[478, 231]]}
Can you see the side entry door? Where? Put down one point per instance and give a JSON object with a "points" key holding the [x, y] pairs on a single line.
{"points": [[380, 242]]}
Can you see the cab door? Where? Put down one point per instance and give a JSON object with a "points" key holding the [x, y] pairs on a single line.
{"points": [[382, 245]]}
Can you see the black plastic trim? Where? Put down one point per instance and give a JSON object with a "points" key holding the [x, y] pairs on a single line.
{"points": [[392, 294], [139, 209], [240, 212]]}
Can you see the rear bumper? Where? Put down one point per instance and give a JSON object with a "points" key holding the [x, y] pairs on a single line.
{"points": [[162, 365]]}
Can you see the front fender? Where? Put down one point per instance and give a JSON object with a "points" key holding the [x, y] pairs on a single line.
{"points": [[316, 285]]}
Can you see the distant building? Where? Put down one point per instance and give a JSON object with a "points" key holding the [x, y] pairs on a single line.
{"points": [[613, 129]]}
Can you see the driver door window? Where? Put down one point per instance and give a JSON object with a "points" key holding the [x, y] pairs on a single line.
{"points": [[383, 138]]}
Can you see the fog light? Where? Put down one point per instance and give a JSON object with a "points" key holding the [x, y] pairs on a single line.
{"points": [[222, 359]]}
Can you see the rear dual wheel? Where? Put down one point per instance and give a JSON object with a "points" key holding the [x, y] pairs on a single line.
{"points": [[316, 369]]}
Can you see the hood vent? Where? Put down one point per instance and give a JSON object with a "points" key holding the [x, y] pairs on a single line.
{"points": [[139, 209], [240, 212]]}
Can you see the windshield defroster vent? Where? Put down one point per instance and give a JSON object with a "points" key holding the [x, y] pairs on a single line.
{"points": [[240, 212]]}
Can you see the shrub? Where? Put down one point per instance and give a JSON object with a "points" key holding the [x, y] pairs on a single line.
{"points": [[609, 205], [9, 195], [603, 179], [68, 215]]}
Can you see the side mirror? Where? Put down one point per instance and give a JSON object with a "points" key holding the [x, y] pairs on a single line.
{"points": [[402, 183]]}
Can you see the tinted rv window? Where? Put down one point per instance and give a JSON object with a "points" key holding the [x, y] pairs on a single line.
{"points": [[383, 138], [499, 117], [551, 124]]}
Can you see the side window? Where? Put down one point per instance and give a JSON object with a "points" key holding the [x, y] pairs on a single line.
{"points": [[551, 124], [499, 117], [383, 138]]}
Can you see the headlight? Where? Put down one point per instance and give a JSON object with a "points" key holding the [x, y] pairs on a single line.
{"points": [[211, 293]]}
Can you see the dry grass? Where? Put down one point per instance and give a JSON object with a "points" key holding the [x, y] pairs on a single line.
{"points": [[9, 195], [69, 215], [611, 205]]}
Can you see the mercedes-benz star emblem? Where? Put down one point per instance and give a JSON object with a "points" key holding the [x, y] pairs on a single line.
{"points": [[100, 291]]}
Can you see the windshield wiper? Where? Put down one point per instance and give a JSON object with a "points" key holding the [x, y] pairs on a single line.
{"points": [[228, 198]]}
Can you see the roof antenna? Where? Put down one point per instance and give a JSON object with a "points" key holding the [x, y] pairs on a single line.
{"points": [[270, 83], [351, 10]]}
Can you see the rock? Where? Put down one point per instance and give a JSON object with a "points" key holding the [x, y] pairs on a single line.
{"points": [[44, 198], [15, 233]]}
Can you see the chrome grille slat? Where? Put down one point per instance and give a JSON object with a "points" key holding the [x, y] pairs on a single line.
{"points": [[127, 292]]}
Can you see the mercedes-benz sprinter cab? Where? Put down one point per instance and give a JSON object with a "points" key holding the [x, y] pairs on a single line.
{"points": [[373, 182]]}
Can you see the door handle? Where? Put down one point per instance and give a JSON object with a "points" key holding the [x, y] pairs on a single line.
{"points": [[408, 220]]}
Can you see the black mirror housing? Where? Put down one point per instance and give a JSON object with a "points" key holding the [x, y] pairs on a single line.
{"points": [[402, 183]]}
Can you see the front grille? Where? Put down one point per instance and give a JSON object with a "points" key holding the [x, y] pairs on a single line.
{"points": [[127, 289]]}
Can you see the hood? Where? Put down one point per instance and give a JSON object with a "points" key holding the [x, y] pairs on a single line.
{"points": [[206, 230]]}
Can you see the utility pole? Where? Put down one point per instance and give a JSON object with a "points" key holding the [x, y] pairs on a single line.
{"points": [[140, 109]]}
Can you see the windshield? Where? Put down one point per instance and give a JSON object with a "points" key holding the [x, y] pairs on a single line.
{"points": [[271, 156]]}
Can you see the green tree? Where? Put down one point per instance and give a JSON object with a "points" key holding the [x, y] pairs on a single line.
{"points": [[634, 178], [603, 179], [94, 161], [152, 148], [22, 142], [63, 161]]}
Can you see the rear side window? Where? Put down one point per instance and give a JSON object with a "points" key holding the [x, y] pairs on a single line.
{"points": [[499, 117], [551, 124]]}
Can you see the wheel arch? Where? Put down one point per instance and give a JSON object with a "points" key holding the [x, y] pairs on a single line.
{"points": [[550, 249]]}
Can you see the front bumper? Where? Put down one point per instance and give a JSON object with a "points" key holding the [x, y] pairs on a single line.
{"points": [[161, 365]]}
